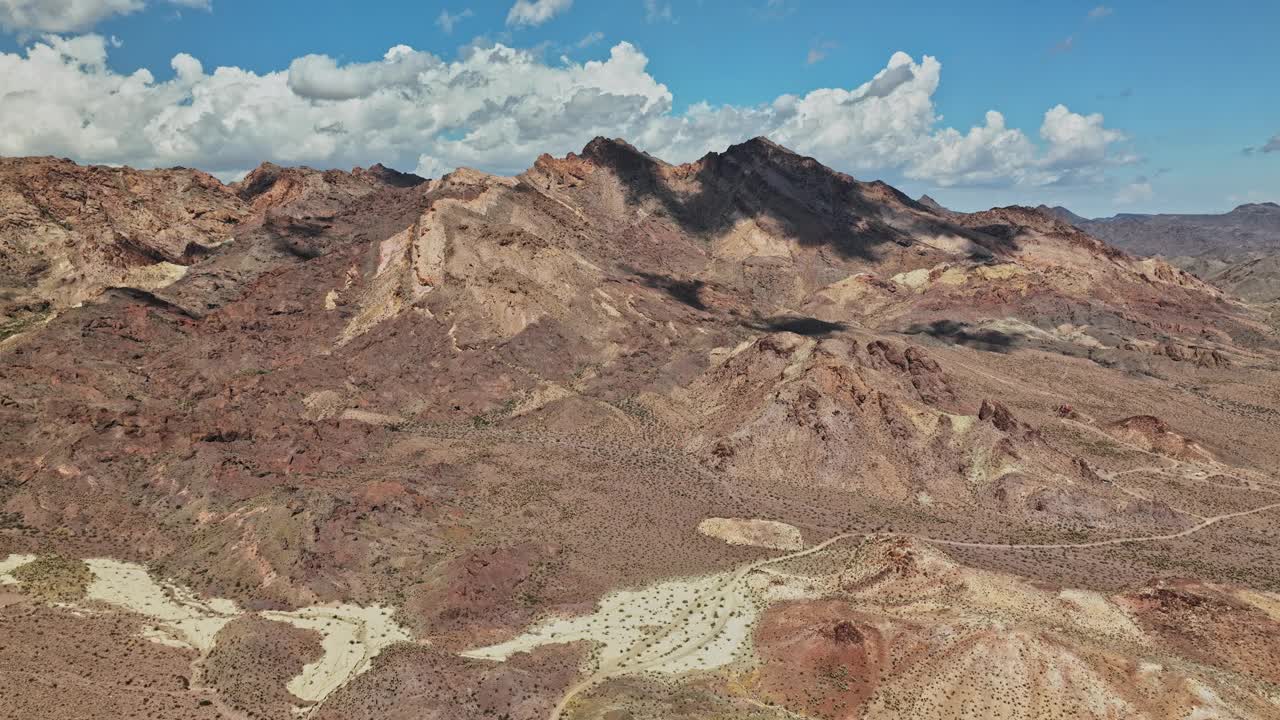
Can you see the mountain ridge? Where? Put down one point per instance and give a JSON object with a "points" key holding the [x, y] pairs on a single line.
{"points": [[1233, 250]]}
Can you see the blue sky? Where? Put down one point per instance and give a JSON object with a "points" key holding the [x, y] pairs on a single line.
{"points": [[1183, 87]]}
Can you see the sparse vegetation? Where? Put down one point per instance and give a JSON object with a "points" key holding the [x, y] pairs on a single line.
{"points": [[54, 578], [22, 322]]}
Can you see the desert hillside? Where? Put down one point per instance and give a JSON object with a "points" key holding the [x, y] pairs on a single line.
{"points": [[619, 439]]}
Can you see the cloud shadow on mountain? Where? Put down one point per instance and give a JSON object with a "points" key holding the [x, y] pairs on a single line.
{"points": [[759, 181], [961, 333], [798, 324]]}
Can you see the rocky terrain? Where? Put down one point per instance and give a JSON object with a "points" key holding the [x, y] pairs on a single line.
{"points": [[1238, 251], [619, 439]]}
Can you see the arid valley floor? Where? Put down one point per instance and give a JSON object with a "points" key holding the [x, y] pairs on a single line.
{"points": [[618, 439]]}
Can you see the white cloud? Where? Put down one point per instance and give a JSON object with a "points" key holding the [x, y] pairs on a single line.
{"points": [[655, 11], [535, 12], [1079, 143], [818, 52], [61, 15], [1138, 191], [71, 15], [318, 77], [446, 21], [1100, 12], [589, 39], [497, 108]]}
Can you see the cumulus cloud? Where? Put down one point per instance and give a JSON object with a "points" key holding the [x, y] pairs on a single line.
{"points": [[1079, 144], [497, 108], [818, 52], [535, 12], [61, 15], [1139, 190], [446, 20], [71, 15], [318, 77]]}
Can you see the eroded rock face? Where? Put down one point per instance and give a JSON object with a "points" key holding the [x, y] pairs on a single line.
{"points": [[997, 414], [67, 232], [1152, 434]]}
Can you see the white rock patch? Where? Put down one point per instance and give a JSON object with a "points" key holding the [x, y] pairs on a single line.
{"points": [[670, 627], [756, 533], [351, 636], [11, 563], [182, 619]]}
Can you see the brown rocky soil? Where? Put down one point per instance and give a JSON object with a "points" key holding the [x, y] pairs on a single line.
{"points": [[252, 661]]}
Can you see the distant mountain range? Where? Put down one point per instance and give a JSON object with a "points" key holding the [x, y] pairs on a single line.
{"points": [[1248, 228], [1238, 251]]}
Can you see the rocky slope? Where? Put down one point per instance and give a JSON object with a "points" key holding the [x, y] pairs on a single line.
{"points": [[1236, 251], [67, 232], [491, 402]]}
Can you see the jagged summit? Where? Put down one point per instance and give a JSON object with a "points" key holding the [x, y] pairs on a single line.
{"points": [[617, 153], [389, 176], [1063, 214], [759, 146], [932, 204]]}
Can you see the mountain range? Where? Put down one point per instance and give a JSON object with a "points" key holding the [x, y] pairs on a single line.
{"points": [[1238, 251], [616, 438]]}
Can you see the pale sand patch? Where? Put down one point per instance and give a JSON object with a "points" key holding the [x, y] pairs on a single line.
{"points": [[670, 627], [962, 423], [351, 637], [1003, 271], [747, 239], [954, 276], [753, 532], [915, 279], [322, 405], [11, 563], [182, 619], [154, 277], [954, 244], [1066, 332], [1265, 601], [370, 418], [850, 289]]}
